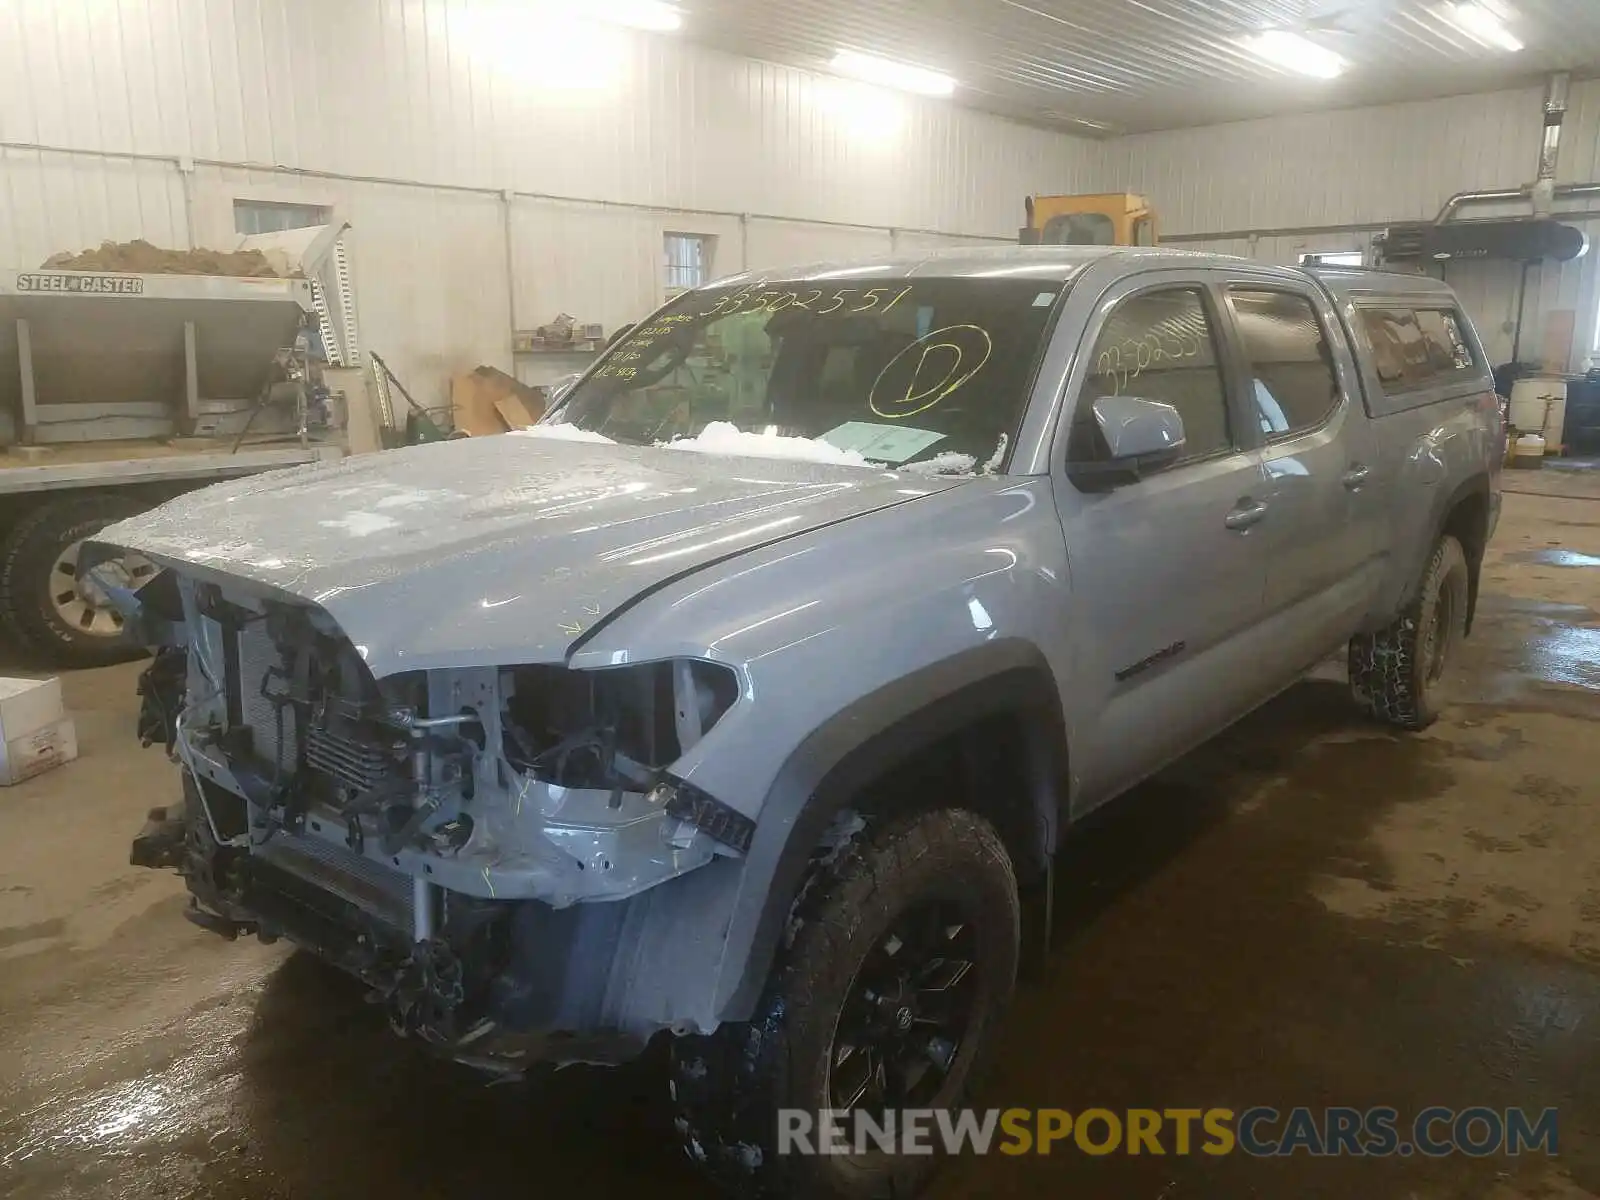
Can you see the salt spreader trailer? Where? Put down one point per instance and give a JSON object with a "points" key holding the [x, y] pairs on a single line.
{"points": [[119, 391]]}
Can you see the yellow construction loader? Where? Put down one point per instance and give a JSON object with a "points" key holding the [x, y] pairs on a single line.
{"points": [[1108, 219]]}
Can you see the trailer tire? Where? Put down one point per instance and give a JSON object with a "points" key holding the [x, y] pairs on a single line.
{"points": [[31, 585]]}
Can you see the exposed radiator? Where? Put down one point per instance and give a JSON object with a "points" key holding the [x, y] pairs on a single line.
{"points": [[257, 654], [370, 886]]}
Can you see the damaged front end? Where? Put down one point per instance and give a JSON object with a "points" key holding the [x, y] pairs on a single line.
{"points": [[450, 837]]}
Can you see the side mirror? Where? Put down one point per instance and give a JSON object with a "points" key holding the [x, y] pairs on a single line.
{"points": [[1142, 437], [1143, 433]]}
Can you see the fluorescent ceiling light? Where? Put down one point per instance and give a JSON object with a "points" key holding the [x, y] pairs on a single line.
{"points": [[1295, 53], [1055, 114], [654, 15], [1482, 24], [892, 74]]}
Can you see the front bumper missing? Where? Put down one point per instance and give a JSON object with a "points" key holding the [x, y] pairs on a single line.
{"points": [[559, 845], [502, 985]]}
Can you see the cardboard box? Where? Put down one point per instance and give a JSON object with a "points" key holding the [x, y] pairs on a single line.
{"points": [[31, 754], [477, 396], [27, 705]]}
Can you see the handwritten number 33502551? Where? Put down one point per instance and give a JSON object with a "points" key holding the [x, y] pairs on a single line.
{"points": [[817, 300]]}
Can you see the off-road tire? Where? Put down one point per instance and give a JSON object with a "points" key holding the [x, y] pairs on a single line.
{"points": [[1393, 674], [27, 560], [728, 1087]]}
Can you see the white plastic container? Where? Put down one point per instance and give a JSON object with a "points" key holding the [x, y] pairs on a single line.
{"points": [[1539, 405], [1528, 452]]}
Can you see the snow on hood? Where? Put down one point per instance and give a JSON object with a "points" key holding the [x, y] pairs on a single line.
{"points": [[723, 437], [946, 462], [565, 431], [718, 437]]}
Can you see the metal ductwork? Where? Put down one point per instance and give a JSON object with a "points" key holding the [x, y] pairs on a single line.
{"points": [[1555, 111], [1543, 191]]}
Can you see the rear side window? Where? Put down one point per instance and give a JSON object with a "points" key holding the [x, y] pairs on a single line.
{"points": [[1157, 346], [1447, 349], [1417, 347], [1295, 385]]}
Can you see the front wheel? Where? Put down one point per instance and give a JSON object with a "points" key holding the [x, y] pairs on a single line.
{"points": [[1395, 673], [902, 960]]}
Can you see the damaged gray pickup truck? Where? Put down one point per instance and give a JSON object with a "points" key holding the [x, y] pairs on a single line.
{"points": [[746, 699]]}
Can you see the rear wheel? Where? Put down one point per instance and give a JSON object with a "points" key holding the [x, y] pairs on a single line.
{"points": [[1395, 673], [43, 606], [902, 961]]}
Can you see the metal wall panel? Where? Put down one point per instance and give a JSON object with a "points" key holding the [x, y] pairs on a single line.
{"points": [[411, 118], [51, 202], [489, 93], [1374, 166], [776, 244], [557, 247], [1398, 162], [430, 266]]}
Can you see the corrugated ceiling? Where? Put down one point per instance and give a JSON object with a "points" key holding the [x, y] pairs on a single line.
{"points": [[1155, 64]]}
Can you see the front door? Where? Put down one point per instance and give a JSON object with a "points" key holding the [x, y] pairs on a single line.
{"points": [[1167, 572]]}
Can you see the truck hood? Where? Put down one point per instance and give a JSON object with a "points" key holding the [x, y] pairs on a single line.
{"points": [[495, 550]]}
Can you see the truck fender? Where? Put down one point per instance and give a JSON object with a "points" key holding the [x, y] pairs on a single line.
{"points": [[1405, 575], [1473, 541], [1441, 520], [830, 768]]}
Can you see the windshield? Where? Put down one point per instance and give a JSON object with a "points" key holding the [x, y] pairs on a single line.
{"points": [[927, 374]]}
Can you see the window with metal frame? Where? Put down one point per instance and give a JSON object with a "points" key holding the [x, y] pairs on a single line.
{"points": [[1293, 379], [267, 216], [1415, 347], [1080, 229], [687, 258], [1157, 345]]}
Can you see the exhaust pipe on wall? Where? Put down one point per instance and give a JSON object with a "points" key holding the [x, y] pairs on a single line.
{"points": [[1543, 191], [1555, 111]]}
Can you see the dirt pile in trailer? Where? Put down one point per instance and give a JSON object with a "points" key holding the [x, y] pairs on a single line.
{"points": [[142, 258]]}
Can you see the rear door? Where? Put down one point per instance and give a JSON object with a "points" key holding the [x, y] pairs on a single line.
{"points": [[1168, 571], [1324, 538]]}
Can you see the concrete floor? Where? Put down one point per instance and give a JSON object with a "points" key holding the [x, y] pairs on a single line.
{"points": [[1311, 910]]}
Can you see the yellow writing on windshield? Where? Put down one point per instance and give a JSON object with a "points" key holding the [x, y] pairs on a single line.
{"points": [[759, 298], [928, 370]]}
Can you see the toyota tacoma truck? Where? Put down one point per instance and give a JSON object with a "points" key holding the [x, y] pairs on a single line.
{"points": [[745, 699]]}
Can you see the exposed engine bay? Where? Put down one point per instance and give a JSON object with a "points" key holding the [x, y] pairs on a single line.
{"points": [[414, 828]]}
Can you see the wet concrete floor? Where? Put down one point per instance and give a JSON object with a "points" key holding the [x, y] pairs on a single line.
{"points": [[1310, 910]]}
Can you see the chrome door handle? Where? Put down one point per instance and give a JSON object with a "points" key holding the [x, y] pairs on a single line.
{"points": [[1356, 477], [1245, 514]]}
